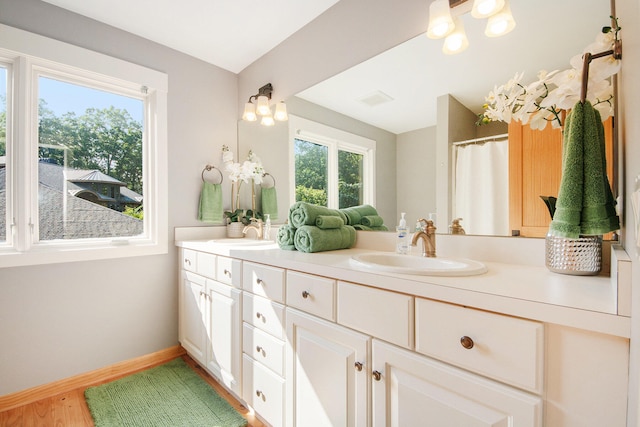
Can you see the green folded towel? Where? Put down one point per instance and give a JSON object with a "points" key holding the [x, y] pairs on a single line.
{"points": [[356, 213], [269, 200], [210, 206], [303, 213], [367, 228], [585, 204], [285, 236], [372, 221], [309, 238], [328, 221]]}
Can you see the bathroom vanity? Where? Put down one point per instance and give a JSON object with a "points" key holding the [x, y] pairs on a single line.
{"points": [[318, 340]]}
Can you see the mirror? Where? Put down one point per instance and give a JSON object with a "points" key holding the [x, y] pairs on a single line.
{"points": [[434, 97]]}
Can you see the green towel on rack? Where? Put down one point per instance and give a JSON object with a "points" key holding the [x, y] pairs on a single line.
{"points": [[210, 206], [303, 213], [327, 222], [285, 236], [585, 204], [269, 200], [356, 213], [309, 238]]}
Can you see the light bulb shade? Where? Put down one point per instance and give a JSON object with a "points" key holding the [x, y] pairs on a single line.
{"points": [[501, 23], [485, 8], [440, 21], [457, 41], [249, 114], [263, 106], [267, 120], [281, 112]]}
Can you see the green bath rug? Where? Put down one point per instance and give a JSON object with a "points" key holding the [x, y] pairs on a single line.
{"points": [[167, 395]]}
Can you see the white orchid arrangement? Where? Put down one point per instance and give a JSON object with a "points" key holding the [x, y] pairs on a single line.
{"points": [[545, 99], [249, 171]]}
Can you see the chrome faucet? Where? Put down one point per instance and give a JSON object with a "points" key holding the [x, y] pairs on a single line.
{"points": [[428, 236], [256, 224]]}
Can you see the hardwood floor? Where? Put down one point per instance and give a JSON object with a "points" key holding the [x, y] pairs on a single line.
{"points": [[70, 409]]}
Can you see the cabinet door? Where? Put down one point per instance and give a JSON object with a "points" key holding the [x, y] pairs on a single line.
{"points": [[193, 333], [413, 390], [224, 350], [327, 381]]}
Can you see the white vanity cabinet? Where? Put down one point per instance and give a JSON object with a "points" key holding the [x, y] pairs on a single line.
{"points": [[210, 318]]}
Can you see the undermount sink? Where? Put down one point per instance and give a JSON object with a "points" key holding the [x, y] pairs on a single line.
{"points": [[410, 264]]}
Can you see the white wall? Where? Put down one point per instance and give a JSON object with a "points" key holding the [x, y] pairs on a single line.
{"points": [[65, 319]]}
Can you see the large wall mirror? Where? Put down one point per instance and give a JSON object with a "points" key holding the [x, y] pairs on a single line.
{"points": [[415, 101]]}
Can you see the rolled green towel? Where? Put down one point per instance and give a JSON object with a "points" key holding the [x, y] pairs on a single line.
{"points": [[309, 238], [356, 213], [372, 220], [210, 206], [285, 237], [303, 213], [327, 221]]}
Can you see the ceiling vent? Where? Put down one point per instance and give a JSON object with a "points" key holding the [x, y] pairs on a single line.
{"points": [[375, 98]]}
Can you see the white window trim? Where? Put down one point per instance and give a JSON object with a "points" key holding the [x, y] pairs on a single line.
{"points": [[29, 53], [335, 139]]}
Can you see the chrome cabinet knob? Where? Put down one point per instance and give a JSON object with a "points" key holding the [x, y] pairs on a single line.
{"points": [[466, 342], [260, 281]]}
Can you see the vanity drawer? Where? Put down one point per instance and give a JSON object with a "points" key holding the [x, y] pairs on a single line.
{"points": [[263, 280], [206, 264], [501, 347], [265, 315], [229, 271], [312, 294], [189, 260], [382, 314], [263, 390], [263, 348]]}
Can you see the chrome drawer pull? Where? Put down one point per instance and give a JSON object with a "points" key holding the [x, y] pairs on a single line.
{"points": [[466, 342], [226, 272], [260, 281], [187, 261], [261, 350]]}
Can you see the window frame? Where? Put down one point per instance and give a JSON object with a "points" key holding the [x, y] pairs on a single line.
{"points": [[335, 140], [31, 56]]}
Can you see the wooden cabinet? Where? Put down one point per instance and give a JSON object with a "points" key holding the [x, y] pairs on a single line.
{"points": [[327, 373], [413, 390]]}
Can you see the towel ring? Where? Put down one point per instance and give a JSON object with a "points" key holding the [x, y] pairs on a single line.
{"points": [[209, 168], [272, 178]]}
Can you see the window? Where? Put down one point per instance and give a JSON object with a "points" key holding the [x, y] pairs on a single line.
{"points": [[82, 154], [331, 167]]}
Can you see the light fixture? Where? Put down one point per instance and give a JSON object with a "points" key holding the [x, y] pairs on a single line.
{"points": [[440, 21], [500, 23], [262, 107], [457, 41], [441, 24]]}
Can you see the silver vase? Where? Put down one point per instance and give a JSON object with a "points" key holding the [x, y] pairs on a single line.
{"points": [[579, 257]]}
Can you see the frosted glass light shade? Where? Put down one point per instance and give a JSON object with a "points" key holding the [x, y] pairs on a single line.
{"points": [[440, 21], [485, 8], [457, 41], [249, 114], [281, 112], [267, 120], [263, 106], [501, 23]]}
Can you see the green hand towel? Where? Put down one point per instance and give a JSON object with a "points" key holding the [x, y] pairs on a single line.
{"points": [[313, 239], [327, 221], [285, 237], [585, 203], [372, 220], [269, 200], [356, 213], [303, 213], [210, 207]]}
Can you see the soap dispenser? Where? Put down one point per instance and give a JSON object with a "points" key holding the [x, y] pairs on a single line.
{"points": [[402, 246]]}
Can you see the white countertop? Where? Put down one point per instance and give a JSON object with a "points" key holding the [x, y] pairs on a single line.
{"points": [[528, 291]]}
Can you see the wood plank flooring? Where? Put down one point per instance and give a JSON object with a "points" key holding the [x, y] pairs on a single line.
{"points": [[70, 409]]}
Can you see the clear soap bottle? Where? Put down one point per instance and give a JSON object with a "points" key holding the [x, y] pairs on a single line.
{"points": [[402, 245], [266, 232]]}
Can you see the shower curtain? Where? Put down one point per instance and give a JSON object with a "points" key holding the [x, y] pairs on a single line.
{"points": [[482, 187]]}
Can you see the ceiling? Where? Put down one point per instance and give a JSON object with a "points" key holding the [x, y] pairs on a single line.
{"points": [[228, 33]]}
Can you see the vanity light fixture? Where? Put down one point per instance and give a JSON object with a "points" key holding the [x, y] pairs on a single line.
{"points": [[263, 109], [441, 23]]}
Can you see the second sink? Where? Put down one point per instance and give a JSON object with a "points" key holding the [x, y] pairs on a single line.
{"points": [[408, 264]]}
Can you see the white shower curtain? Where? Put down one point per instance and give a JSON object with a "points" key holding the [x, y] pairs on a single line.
{"points": [[482, 187]]}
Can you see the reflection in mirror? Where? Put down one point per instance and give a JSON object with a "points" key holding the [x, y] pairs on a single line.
{"points": [[416, 102]]}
